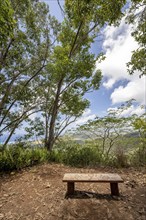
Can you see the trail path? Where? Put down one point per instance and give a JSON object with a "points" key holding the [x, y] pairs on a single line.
{"points": [[38, 193]]}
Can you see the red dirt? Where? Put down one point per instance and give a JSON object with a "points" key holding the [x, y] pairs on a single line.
{"points": [[38, 193]]}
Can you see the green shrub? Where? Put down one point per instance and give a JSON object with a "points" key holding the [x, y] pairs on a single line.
{"points": [[138, 157], [80, 156], [119, 158], [55, 156], [17, 157]]}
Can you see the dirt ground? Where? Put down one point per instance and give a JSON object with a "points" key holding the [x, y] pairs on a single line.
{"points": [[38, 193]]}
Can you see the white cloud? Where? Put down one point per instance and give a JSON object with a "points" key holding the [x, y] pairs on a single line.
{"points": [[85, 117], [133, 90], [138, 110], [109, 84], [118, 46]]}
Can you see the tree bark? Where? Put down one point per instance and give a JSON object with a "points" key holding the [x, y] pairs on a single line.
{"points": [[10, 135], [51, 138]]}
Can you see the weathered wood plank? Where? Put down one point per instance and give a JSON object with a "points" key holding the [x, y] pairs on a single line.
{"points": [[114, 189], [94, 177], [70, 188]]}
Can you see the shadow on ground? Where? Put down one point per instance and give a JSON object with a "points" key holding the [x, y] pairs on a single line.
{"points": [[87, 195]]}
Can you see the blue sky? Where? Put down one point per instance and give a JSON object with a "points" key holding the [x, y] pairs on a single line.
{"points": [[117, 85]]}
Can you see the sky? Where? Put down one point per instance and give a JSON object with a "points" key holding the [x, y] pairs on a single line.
{"points": [[117, 85]]}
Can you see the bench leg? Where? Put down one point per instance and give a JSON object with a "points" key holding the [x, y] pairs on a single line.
{"points": [[70, 188], [114, 189]]}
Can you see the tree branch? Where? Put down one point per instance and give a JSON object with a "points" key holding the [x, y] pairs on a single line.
{"points": [[67, 123], [3, 56], [63, 13], [77, 34]]}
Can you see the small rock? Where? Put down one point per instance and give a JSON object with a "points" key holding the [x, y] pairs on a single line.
{"points": [[48, 185], [143, 195]]}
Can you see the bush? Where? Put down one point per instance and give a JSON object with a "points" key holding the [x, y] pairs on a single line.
{"points": [[119, 158], [17, 157], [138, 157], [54, 156], [76, 154]]}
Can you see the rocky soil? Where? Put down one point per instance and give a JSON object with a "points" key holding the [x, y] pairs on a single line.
{"points": [[38, 193]]}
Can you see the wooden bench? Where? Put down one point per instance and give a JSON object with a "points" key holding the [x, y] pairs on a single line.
{"points": [[111, 178]]}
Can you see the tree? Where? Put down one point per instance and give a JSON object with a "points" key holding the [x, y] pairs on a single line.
{"points": [[139, 124], [7, 21], [64, 91], [71, 69], [52, 79], [139, 153], [137, 17], [108, 130], [105, 131], [23, 56]]}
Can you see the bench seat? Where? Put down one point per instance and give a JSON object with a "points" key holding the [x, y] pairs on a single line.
{"points": [[111, 178]]}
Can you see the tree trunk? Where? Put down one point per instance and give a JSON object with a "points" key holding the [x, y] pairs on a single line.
{"points": [[10, 135], [46, 129], [51, 138]]}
